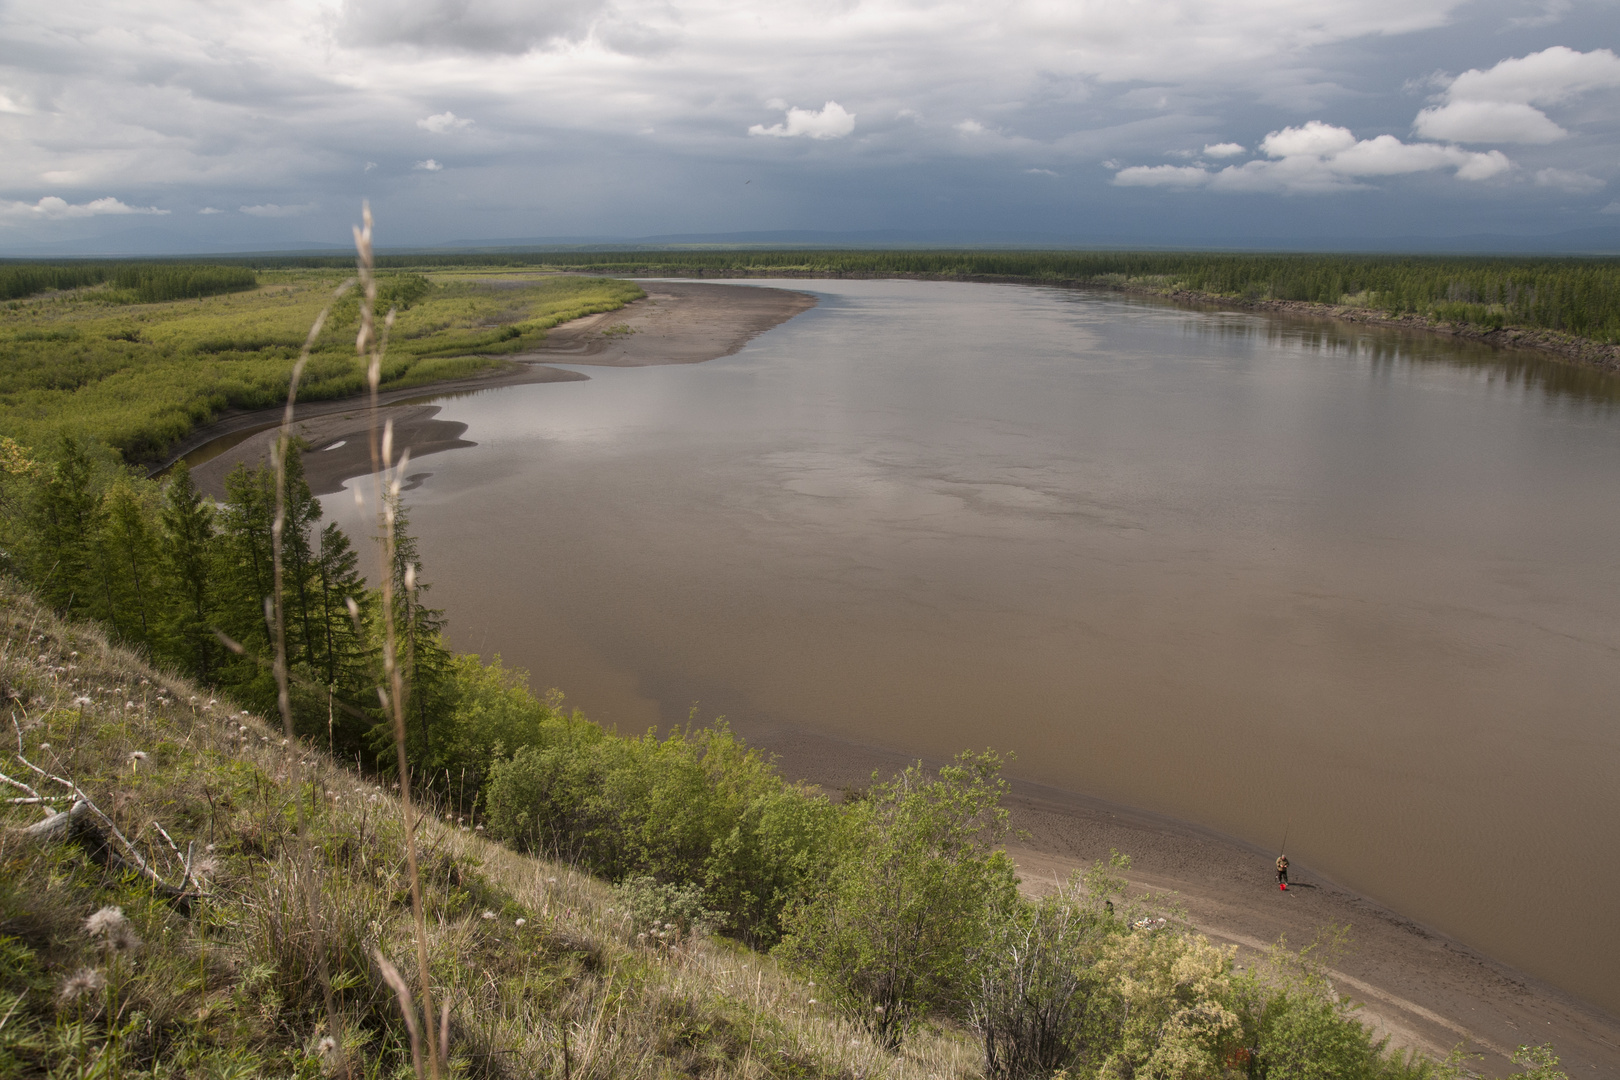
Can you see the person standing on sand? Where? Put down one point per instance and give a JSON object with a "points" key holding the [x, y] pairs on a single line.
{"points": [[1282, 872]]}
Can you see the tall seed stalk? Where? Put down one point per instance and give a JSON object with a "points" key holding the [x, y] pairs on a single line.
{"points": [[370, 345], [277, 614]]}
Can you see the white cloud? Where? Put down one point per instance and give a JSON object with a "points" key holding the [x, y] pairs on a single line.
{"points": [[439, 123], [1319, 157], [830, 123], [969, 127], [1612, 208], [1182, 176], [52, 208], [428, 166], [1315, 138], [210, 210], [1225, 149], [1041, 172], [1498, 104], [272, 210], [1578, 182], [8, 105]]}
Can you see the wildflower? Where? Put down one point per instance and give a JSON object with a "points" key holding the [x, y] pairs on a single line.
{"points": [[116, 935], [326, 1045], [478, 828], [136, 757], [106, 921], [489, 914], [521, 922], [82, 983], [44, 746], [812, 1001], [82, 700], [878, 1009]]}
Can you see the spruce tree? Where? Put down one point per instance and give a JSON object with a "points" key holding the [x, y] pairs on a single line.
{"points": [[64, 520], [187, 521], [128, 551]]}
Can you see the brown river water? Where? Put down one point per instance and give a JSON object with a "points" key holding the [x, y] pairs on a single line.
{"points": [[1254, 572]]}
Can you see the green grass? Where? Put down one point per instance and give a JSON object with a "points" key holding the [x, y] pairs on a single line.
{"points": [[140, 376], [531, 956]]}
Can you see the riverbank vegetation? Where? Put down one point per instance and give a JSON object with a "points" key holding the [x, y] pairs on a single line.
{"points": [[137, 356]]}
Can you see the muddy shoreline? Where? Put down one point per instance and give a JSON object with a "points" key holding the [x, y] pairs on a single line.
{"points": [[1414, 984]]}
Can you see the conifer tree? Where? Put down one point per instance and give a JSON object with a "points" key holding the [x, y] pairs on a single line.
{"points": [[187, 521], [64, 520], [127, 553]]}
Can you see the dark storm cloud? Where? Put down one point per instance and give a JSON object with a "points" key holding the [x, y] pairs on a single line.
{"points": [[490, 118]]}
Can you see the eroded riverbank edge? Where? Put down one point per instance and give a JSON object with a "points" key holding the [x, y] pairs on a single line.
{"points": [[1565, 346]]}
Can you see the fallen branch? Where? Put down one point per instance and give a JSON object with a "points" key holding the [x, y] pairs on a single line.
{"points": [[72, 824]]}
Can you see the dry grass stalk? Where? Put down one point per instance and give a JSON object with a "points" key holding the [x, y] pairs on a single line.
{"points": [[371, 345], [277, 604]]}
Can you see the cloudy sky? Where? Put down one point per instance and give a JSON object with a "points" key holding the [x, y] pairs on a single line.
{"points": [[213, 124]]}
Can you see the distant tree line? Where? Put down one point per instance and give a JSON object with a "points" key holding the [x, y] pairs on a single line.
{"points": [[136, 283], [1579, 296]]}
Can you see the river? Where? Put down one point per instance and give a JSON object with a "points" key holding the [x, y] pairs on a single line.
{"points": [[1256, 572]]}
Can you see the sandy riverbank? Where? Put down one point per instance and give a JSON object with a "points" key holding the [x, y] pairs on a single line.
{"points": [[677, 323], [1415, 985]]}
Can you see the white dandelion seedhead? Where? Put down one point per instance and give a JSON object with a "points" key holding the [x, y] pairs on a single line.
{"points": [[521, 922], [82, 983], [489, 915], [82, 700], [812, 1001], [326, 1045], [108, 920], [137, 758]]}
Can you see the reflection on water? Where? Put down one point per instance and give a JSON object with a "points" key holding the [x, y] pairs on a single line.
{"points": [[1519, 368], [1237, 569]]}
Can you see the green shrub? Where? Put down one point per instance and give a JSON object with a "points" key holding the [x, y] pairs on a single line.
{"points": [[904, 905]]}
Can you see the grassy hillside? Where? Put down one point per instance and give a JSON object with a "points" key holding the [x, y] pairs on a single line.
{"points": [[229, 900], [137, 357], [530, 956]]}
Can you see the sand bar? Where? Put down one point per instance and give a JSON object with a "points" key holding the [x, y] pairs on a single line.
{"points": [[677, 323]]}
